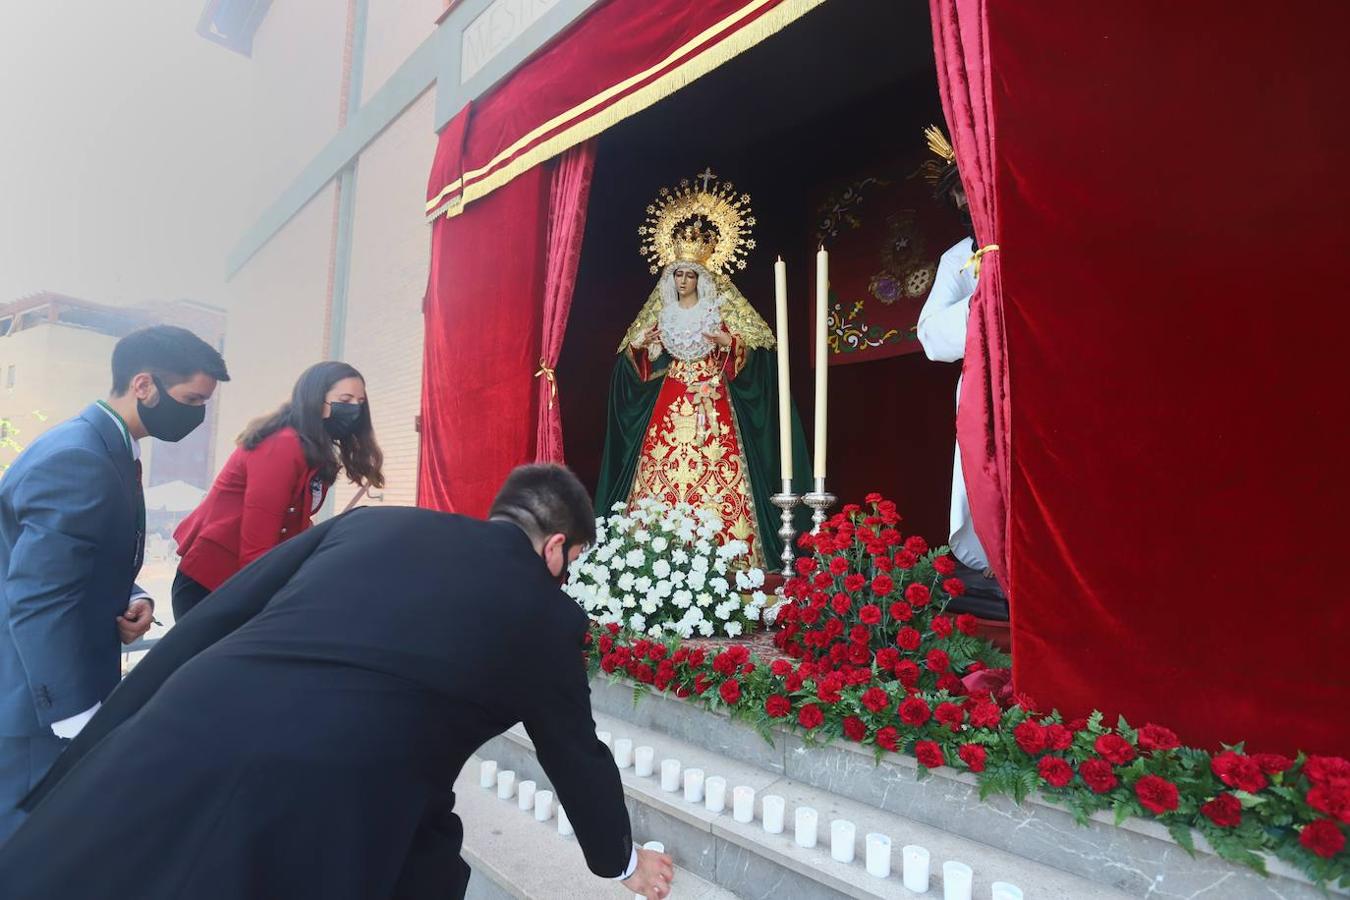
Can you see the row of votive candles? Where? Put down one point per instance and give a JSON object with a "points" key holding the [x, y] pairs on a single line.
{"points": [[957, 877]]}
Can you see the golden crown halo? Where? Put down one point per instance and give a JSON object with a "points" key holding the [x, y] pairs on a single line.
{"points": [[933, 169], [701, 221]]}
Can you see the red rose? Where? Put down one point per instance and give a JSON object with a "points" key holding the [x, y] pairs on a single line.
{"points": [[954, 587], [916, 545], [730, 691], [870, 614], [1055, 771], [986, 715], [908, 639], [918, 594], [907, 672], [839, 565], [780, 667], [929, 754], [841, 605], [1273, 763], [945, 565], [854, 582], [1154, 738], [810, 716], [777, 706], [906, 560], [1030, 737], [882, 585], [1323, 837], [887, 657], [1058, 737], [1114, 749], [1325, 769], [914, 711], [876, 699], [1224, 810], [854, 728], [950, 714], [973, 755], [1334, 800], [938, 661], [1241, 772], [967, 624], [942, 626], [901, 611], [888, 738], [1098, 776], [1156, 794]]}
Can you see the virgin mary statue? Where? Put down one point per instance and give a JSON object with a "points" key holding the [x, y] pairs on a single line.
{"points": [[693, 409]]}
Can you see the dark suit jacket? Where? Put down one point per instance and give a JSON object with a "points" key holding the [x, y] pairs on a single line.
{"points": [[70, 543], [299, 735]]}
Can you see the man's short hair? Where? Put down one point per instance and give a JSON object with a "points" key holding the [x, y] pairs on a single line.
{"points": [[168, 352], [547, 499]]}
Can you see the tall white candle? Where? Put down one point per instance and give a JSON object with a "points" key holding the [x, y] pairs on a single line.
{"points": [[487, 773], [743, 804], [506, 785], [784, 382], [879, 856], [804, 826], [822, 354], [543, 806], [643, 758], [957, 879], [916, 868], [772, 809], [693, 785], [715, 794], [843, 835], [670, 775], [564, 823], [623, 753], [1002, 890], [525, 795]]}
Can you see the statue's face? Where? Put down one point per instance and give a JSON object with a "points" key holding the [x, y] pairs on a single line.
{"points": [[686, 282]]}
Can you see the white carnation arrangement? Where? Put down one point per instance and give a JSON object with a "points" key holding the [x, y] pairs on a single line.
{"points": [[659, 570]]}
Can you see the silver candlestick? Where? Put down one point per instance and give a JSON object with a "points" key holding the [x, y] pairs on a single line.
{"points": [[819, 501], [786, 501]]}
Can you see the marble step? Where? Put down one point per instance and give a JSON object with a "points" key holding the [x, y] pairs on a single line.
{"points": [[754, 864], [1138, 858], [513, 857]]}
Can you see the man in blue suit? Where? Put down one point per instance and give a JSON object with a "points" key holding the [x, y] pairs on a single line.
{"points": [[72, 536]]}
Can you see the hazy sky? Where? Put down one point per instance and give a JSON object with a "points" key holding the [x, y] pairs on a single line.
{"points": [[119, 150]]}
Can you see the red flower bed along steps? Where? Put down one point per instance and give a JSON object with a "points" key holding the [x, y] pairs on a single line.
{"points": [[866, 652]]}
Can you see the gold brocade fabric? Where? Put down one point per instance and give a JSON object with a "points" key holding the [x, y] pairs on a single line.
{"points": [[691, 451]]}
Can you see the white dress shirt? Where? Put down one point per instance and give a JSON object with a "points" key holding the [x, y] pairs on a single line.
{"points": [[942, 332]]}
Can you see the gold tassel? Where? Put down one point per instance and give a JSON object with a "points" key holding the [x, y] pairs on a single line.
{"points": [[977, 256], [546, 371]]}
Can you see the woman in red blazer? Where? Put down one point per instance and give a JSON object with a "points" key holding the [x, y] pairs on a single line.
{"points": [[277, 479]]}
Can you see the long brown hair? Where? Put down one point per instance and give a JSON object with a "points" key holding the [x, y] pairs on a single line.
{"points": [[357, 454]]}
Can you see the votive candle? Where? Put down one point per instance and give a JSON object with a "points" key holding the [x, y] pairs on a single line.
{"points": [[487, 773], [643, 759], [564, 823], [957, 879], [843, 836], [1002, 890], [525, 795], [605, 738], [715, 794], [693, 785], [543, 806], [670, 775], [623, 753], [506, 785], [879, 856], [916, 860], [804, 826], [772, 811], [743, 804]]}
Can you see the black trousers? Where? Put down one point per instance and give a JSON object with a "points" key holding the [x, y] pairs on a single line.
{"points": [[186, 594]]}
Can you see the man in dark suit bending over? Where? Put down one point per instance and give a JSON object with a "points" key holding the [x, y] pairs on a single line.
{"points": [[299, 735]]}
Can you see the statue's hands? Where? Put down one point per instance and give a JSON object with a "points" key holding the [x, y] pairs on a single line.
{"points": [[649, 337], [721, 337]]}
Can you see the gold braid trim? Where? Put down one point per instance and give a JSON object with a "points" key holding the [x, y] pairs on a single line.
{"points": [[738, 316]]}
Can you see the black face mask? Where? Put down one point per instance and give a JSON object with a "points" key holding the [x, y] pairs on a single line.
{"points": [[342, 420], [169, 420], [562, 577]]}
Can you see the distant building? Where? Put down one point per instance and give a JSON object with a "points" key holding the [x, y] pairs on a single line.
{"points": [[54, 361]]}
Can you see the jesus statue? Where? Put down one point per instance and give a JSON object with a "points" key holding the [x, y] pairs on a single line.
{"points": [[693, 414]]}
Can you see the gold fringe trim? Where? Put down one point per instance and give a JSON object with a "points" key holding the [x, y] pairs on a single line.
{"points": [[767, 25]]}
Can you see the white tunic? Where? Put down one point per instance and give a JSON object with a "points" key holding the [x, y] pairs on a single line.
{"points": [[942, 332]]}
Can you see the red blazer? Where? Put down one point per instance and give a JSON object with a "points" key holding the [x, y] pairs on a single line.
{"points": [[261, 498]]}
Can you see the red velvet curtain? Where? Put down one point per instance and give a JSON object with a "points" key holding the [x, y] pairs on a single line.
{"points": [[1169, 192], [982, 416], [569, 194]]}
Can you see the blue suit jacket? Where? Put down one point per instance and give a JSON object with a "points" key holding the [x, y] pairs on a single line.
{"points": [[70, 545]]}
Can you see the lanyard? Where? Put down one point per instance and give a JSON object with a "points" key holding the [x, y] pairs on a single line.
{"points": [[126, 432]]}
